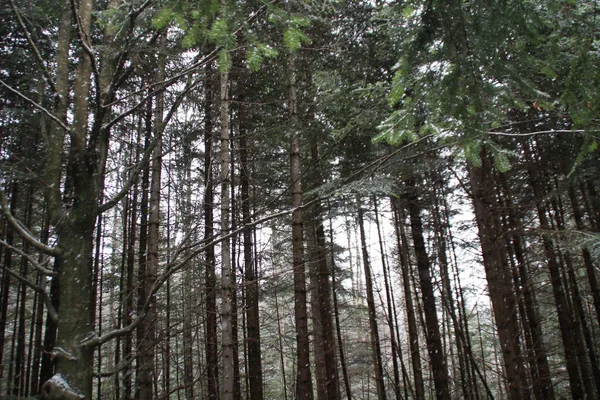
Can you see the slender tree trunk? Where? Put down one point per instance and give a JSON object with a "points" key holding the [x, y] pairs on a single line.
{"points": [[143, 242], [304, 389], [580, 314], [323, 286], [187, 287], [226, 270], [434, 343], [336, 313], [587, 257], [255, 375], [147, 331], [38, 326], [7, 265], [280, 338], [317, 326], [130, 274], [541, 380], [374, 331], [565, 317], [390, 311], [413, 335], [212, 361], [498, 277]]}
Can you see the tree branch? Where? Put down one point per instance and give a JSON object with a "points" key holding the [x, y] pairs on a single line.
{"points": [[37, 105], [23, 231], [47, 301], [33, 262]]}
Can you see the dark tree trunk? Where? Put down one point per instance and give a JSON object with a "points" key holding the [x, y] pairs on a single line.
{"points": [[390, 310], [569, 335], [434, 343], [413, 335], [304, 390], [498, 275], [212, 361], [7, 256], [587, 257], [374, 331], [338, 330], [540, 370], [255, 379]]}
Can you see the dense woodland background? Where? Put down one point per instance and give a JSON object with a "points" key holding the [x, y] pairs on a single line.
{"points": [[299, 199]]}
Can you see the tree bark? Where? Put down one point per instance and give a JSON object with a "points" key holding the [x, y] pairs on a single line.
{"points": [[413, 335], [498, 276], [226, 271], [255, 374], [374, 330], [565, 316], [212, 362], [304, 390], [390, 310], [434, 343]]}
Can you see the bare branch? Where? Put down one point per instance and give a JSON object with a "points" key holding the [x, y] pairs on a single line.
{"points": [[33, 261], [39, 289], [23, 231], [537, 132], [37, 105]]}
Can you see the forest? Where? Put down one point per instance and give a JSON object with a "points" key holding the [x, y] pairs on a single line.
{"points": [[299, 199]]}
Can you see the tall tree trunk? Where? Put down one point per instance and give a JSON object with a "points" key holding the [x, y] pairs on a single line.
{"points": [[7, 259], [143, 239], [441, 240], [212, 361], [187, 288], [323, 286], [434, 343], [226, 270], [580, 315], [147, 331], [374, 331], [315, 311], [20, 360], [255, 374], [541, 381], [38, 326], [390, 310], [498, 276], [587, 257], [304, 389], [53, 174], [565, 316], [75, 242], [413, 335], [336, 313]]}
